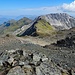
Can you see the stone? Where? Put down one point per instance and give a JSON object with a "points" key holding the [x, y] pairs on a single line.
{"points": [[11, 51], [1, 62], [28, 69], [10, 60], [21, 63], [36, 57], [72, 72], [38, 71], [15, 63], [24, 53], [35, 63], [20, 52], [16, 71], [4, 72], [44, 59], [30, 55], [47, 69]]}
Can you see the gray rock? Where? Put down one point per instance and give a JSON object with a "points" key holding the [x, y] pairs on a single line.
{"points": [[23, 62], [38, 71], [36, 63], [1, 62], [36, 57], [44, 59], [15, 63], [20, 52], [10, 60], [28, 69], [73, 73], [60, 20], [49, 69], [24, 53], [11, 51], [16, 71]]}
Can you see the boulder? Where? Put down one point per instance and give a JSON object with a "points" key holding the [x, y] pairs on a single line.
{"points": [[15, 63], [72, 72], [24, 53], [1, 62], [11, 51], [36, 57], [21, 63], [38, 71], [10, 60], [16, 71], [28, 69], [44, 59], [20, 52]]}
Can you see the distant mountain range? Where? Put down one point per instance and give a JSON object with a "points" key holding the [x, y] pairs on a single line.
{"points": [[7, 18], [32, 17], [12, 25], [2, 20]]}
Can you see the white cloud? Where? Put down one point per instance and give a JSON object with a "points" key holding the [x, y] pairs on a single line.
{"points": [[64, 8], [69, 7], [41, 10]]}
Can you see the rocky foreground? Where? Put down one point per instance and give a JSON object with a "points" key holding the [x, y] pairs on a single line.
{"points": [[53, 53], [20, 57], [24, 62]]}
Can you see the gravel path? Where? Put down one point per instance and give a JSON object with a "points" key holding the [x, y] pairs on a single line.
{"points": [[33, 40]]}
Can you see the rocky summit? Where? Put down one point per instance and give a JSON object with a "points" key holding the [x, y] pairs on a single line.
{"points": [[60, 20]]}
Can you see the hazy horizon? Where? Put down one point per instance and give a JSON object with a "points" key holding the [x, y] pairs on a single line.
{"points": [[39, 7]]}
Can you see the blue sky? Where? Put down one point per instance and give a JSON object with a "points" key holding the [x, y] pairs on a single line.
{"points": [[36, 7], [13, 4]]}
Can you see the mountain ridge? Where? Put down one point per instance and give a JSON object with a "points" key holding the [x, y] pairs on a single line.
{"points": [[12, 25], [62, 20], [59, 21]]}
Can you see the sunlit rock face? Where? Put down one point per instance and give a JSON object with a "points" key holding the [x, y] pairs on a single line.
{"points": [[60, 20]]}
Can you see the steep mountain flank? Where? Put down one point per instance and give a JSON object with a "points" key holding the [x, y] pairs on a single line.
{"points": [[40, 27]]}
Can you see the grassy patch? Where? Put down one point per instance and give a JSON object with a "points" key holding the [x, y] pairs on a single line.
{"points": [[16, 25], [43, 28]]}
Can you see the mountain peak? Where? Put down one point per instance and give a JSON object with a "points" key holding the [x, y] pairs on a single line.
{"points": [[60, 20]]}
